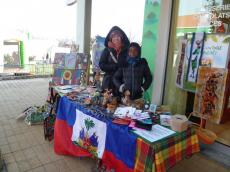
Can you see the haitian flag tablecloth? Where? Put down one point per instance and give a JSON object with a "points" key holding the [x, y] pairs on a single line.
{"points": [[123, 151], [120, 145]]}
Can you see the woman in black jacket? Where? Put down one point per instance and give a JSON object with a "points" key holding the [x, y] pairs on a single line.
{"points": [[113, 56], [136, 76]]}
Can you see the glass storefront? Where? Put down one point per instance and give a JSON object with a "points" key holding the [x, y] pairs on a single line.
{"points": [[196, 16]]}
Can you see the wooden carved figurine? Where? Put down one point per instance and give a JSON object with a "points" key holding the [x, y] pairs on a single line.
{"points": [[126, 99], [107, 95], [97, 81], [112, 105]]}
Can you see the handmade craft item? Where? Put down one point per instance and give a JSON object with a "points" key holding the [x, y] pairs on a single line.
{"points": [[210, 90], [70, 60], [106, 97], [139, 103], [126, 99], [59, 60], [180, 69], [196, 52], [83, 79], [97, 80], [112, 105], [82, 61]]}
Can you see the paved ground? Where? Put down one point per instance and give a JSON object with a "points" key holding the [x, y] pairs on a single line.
{"points": [[24, 148]]}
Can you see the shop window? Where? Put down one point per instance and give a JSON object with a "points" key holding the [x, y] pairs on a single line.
{"points": [[204, 25]]}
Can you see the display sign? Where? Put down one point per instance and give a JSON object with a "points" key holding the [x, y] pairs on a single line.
{"points": [[216, 50]]}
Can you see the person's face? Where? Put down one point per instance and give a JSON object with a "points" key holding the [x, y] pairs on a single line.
{"points": [[133, 52], [116, 39]]}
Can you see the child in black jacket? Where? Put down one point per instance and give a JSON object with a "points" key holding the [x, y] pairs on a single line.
{"points": [[136, 76]]}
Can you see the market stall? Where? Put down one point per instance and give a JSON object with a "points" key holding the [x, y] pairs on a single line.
{"points": [[124, 149], [124, 135]]}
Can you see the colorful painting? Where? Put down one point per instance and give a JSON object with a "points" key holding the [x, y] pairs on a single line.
{"points": [[215, 54], [76, 77], [196, 52], [180, 68], [67, 77], [82, 61], [186, 85], [68, 68], [97, 48], [57, 76], [70, 60], [209, 98], [216, 50], [89, 133], [59, 60], [64, 77]]}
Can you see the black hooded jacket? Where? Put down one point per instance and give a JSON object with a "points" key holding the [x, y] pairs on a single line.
{"points": [[107, 64], [135, 77]]}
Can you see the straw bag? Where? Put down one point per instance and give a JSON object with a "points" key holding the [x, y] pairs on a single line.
{"points": [[204, 135]]}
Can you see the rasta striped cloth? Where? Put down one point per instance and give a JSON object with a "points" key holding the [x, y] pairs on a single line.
{"points": [[164, 154]]}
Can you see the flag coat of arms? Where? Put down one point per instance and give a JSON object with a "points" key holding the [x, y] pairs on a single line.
{"points": [[89, 133]]}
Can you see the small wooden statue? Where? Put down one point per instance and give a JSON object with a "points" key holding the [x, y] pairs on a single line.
{"points": [[83, 79], [126, 99], [138, 103], [107, 95], [97, 80], [112, 105]]}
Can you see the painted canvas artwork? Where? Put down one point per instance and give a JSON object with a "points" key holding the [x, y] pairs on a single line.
{"points": [[59, 60], [97, 49], [180, 68], [76, 77], [216, 50], [57, 76], [82, 61], [215, 55], [209, 95], [183, 63], [70, 60], [196, 52], [68, 68], [67, 77]]}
